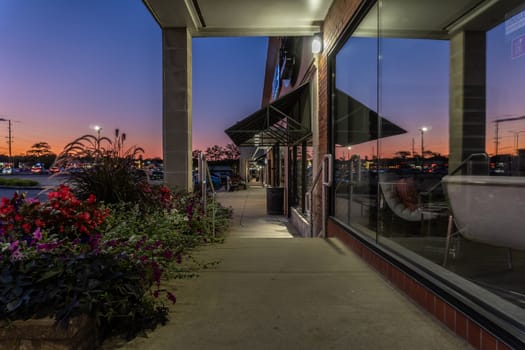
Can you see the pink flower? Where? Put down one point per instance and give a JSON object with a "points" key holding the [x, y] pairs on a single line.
{"points": [[32, 201], [37, 235], [14, 246], [16, 255]]}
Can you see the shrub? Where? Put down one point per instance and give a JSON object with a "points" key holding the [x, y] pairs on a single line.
{"points": [[200, 222], [18, 182], [66, 257], [56, 262]]}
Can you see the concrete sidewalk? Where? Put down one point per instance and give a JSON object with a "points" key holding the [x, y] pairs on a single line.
{"points": [[272, 291]]}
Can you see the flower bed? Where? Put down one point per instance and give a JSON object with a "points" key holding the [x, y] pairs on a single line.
{"points": [[67, 258]]}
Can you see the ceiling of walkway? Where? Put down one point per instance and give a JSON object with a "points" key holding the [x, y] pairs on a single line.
{"points": [[400, 18], [241, 17], [436, 19]]}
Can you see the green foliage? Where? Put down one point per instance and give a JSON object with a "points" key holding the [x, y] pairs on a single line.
{"points": [[212, 222], [14, 182], [105, 286], [67, 257]]}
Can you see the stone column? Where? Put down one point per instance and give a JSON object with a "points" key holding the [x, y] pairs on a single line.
{"points": [[467, 95], [176, 111]]}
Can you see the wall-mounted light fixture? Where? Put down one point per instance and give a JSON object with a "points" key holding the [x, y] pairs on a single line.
{"points": [[317, 43]]}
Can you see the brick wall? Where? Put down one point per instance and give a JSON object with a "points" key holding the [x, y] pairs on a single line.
{"points": [[455, 320]]}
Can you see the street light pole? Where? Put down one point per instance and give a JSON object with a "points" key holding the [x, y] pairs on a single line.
{"points": [[9, 138], [98, 129], [423, 130]]}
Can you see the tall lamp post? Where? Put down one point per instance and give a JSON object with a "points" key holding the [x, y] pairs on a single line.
{"points": [[423, 130], [98, 129], [9, 139]]}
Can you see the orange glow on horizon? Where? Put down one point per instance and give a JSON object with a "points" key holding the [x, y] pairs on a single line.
{"points": [[152, 148]]}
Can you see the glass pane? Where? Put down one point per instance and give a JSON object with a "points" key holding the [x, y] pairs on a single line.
{"points": [[355, 129], [458, 97], [413, 162], [303, 175]]}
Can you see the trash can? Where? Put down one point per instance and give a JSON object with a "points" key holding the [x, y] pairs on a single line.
{"points": [[275, 200]]}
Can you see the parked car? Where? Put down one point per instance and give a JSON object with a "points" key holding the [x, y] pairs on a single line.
{"points": [[156, 175], [37, 169], [54, 169], [216, 180], [222, 175], [7, 171]]}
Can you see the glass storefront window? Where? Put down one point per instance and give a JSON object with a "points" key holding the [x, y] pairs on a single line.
{"points": [[355, 123], [301, 175], [428, 120]]}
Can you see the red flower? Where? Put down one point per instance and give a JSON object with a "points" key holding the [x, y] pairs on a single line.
{"points": [[26, 227], [92, 199]]}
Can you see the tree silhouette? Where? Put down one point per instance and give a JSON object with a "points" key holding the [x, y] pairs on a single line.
{"points": [[214, 153], [41, 152], [39, 149], [217, 152], [231, 151], [403, 154], [195, 153]]}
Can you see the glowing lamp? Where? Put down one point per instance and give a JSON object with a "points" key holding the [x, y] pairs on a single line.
{"points": [[317, 43]]}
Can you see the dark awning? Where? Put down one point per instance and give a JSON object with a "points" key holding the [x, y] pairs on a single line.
{"points": [[356, 123], [286, 121]]}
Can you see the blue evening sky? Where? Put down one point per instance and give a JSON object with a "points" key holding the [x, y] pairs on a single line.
{"points": [[68, 65]]}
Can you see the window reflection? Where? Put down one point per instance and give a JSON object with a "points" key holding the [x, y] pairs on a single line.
{"points": [[422, 117]]}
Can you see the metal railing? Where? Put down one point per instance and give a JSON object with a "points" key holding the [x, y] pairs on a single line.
{"points": [[204, 177], [324, 172], [468, 161], [456, 169]]}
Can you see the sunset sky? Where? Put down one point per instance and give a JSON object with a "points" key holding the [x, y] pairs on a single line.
{"points": [[66, 66]]}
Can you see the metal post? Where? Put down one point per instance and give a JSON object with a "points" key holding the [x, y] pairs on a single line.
{"points": [[497, 136], [10, 141], [422, 144], [9, 138], [213, 199], [327, 182], [202, 178], [449, 237], [204, 183]]}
